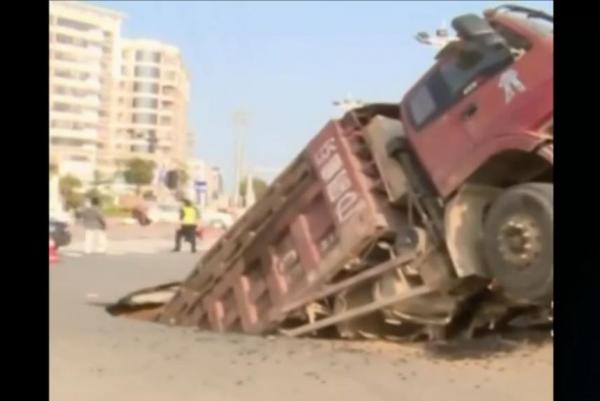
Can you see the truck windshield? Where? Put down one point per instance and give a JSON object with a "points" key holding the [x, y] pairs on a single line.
{"points": [[540, 24], [543, 27], [539, 20]]}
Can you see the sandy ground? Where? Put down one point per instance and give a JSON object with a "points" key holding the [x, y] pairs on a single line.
{"points": [[94, 356]]}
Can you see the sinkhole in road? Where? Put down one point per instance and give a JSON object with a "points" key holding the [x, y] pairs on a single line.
{"points": [[147, 305]]}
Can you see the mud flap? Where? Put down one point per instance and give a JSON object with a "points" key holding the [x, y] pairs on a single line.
{"points": [[463, 222]]}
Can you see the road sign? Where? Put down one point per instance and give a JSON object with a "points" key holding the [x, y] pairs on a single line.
{"points": [[200, 185]]}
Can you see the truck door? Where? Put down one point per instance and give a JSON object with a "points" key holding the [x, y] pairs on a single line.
{"points": [[516, 98], [441, 107]]}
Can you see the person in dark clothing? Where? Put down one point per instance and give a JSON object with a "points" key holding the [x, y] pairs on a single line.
{"points": [[189, 220], [95, 227]]}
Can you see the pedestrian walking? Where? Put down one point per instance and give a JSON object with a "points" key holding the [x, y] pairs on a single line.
{"points": [[188, 216], [95, 227]]}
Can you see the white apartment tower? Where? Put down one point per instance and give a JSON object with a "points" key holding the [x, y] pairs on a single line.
{"points": [[151, 105], [84, 43], [112, 99]]}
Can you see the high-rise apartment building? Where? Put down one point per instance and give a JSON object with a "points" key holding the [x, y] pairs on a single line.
{"points": [[84, 50], [151, 104], [112, 99]]}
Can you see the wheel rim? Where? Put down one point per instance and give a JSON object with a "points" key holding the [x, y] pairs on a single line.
{"points": [[519, 241]]}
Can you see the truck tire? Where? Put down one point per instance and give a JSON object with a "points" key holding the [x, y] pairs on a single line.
{"points": [[518, 242]]}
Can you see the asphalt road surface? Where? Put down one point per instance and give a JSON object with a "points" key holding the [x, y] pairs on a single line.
{"points": [[94, 356]]}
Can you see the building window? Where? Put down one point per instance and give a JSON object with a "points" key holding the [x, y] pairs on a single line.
{"points": [[68, 40], [138, 149], [145, 118], [169, 90], [69, 23], [60, 90], [147, 56], [165, 120], [145, 87], [147, 72], [67, 142], [64, 56], [60, 38], [421, 105], [145, 103], [58, 106]]}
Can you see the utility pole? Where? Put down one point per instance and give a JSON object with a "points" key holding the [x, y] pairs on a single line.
{"points": [[240, 122], [249, 196]]}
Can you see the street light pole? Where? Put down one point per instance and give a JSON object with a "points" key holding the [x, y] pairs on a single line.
{"points": [[240, 121]]}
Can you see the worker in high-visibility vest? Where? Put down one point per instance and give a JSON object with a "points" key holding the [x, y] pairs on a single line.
{"points": [[188, 216]]}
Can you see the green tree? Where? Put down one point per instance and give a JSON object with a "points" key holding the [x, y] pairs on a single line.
{"points": [[105, 200], [69, 186], [139, 172], [260, 187], [69, 183], [149, 195], [183, 178]]}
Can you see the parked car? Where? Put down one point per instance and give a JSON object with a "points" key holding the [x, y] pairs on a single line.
{"points": [[61, 216], [216, 218], [59, 233], [213, 223], [164, 213]]}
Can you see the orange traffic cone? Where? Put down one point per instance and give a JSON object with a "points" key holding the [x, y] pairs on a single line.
{"points": [[53, 252]]}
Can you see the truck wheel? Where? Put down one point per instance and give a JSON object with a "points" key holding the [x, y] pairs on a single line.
{"points": [[518, 242]]}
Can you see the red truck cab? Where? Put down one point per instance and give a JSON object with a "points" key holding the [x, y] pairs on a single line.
{"points": [[479, 129], [484, 105]]}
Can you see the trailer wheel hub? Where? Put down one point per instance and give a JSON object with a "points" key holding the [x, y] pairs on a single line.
{"points": [[519, 241]]}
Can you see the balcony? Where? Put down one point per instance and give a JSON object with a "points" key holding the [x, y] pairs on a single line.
{"points": [[76, 101], [87, 135], [95, 35], [95, 52], [91, 84], [90, 117], [127, 142], [77, 67], [90, 101], [86, 52], [64, 115], [87, 33]]}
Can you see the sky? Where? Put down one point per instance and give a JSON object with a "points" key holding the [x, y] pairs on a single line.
{"points": [[283, 63]]}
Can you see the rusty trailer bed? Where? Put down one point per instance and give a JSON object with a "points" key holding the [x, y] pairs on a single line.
{"points": [[321, 214]]}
